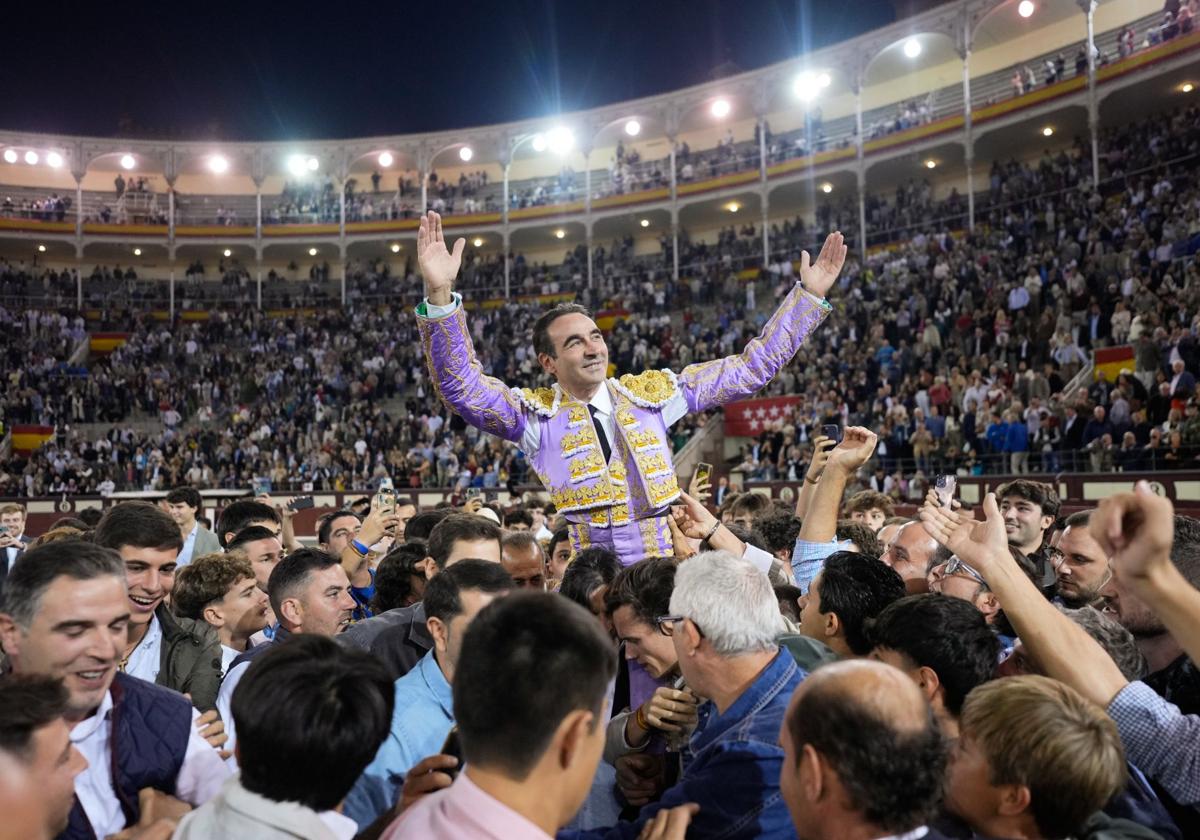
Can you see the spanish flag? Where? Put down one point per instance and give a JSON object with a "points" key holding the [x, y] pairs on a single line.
{"points": [[103, 343], [26, 439], [1112, 360]]}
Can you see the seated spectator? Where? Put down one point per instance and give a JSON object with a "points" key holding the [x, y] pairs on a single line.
{"points": [[77, 585], [178, 653], [220, 590], [862, 755], [521, 556], [423, 707], [849, 591], [943, 644], [530, 754], [309, 717]]}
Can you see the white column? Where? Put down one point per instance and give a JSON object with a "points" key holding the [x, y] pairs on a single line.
{"points": [[766, 230], [1089, 9], [425, 192], [860, 172], [171, 289], [862, 213], [504, 220], [78, 205], [78, 280], [968, 137], [258, 282]]}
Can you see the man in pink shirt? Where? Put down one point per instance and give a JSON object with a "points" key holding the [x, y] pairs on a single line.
{"points": [[530, 754]]}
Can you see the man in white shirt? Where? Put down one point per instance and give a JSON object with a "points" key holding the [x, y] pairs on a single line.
{"points": [[12, 537], [221, 590], [64, 614], [183, 503]]}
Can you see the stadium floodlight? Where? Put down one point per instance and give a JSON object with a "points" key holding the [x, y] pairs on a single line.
{"points": [[10, 155], [1187, 87], [137, 252], [645, 223], [805, 87], [395, 248], [128, 161], [477, 242], [720, 108], [1025, 8], [733, 207], [465, 154], [824, 80], [312, 164], [386, 159], [930, 164], [560, 139], [1047, 131], [41, 249], [633, 128], [54, 159], [219, 164], [31, 157], [827, 188], [912, 48], [539, 143], [227, 253], [560, 234], [312, 252], [297, 165]]}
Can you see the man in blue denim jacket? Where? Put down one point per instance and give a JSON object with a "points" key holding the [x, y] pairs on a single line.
{"points": [[724, 620]]}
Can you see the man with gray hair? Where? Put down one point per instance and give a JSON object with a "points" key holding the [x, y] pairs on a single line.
{"points": [[723, 623]]}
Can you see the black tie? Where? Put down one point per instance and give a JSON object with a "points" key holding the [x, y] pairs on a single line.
{"points": [[604, 447]]}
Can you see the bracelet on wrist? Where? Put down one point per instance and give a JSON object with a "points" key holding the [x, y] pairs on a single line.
{"points": [[810, 479], [640, 720], [361, 549], [712, 531]]}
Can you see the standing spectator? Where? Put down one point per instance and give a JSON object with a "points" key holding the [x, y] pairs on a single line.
{"points": [[221, 591], [183, 503]]}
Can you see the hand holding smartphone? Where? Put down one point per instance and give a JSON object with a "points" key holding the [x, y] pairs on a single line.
{"points": [[944, 486], [832, 431]]}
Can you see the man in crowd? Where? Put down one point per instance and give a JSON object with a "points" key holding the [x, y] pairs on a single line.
{"points": [[178, 653], [242, 514], [863, 756], [183, 504], [34, 732], [1081, 565], [220, 590], [1030, 510], [849, 591], [601, 445], [911, 553], [12, 537], [522, 557], [309, 593], [424, 708], [309, 717], [65, 614], [558, 556], [343, 535], [262, 549], [870, 507]]}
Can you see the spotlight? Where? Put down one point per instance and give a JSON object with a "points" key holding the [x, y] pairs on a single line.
{"points": [[54, 159], [806, 87], [465, 154], [912, 48], [1025, 8], [128, 162], [41, 249], [560, 140], [560, 234], [1187, 87], [721, 108], [1047, 131], [633, 128], [218, 164], [645, 223], [395, 249], [827, 188], [386, 159], [930, 164], [10, 156], [477, 242], [824, 80], [312, 164], [227, 253], [539, 142], [733, 207], [297, 166], [312, 252], [137, 252], [31, 157]]}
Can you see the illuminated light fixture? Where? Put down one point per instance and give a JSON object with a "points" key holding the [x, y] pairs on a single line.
{"points": [[721, 108], [930, 164], [54, 159], [10, 156], [1187, 87], [824, 80], [219, 164], [312, 252], [645, 223], [31, 157], [539, 142], [41, 249], [1025, 8], [128, 162], [733, 207], [465, 154], [137, 252], [477, 242], [296, 165], [912, 48], [560, 234], [827, 188], [559, 140], [386, 159], [808, 86], [227, 253], [1047, 131], [395, 249], [633, 128], [312, 164]]}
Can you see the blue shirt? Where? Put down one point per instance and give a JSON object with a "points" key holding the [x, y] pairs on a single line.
{"points": [[423, 717], [1160, 740], [734, 768]]}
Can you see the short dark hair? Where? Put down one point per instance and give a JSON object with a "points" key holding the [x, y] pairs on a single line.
{"points": [[750, 503], [292, 573], [27, 703], [789, 597], [892, 777], [861, 535], [645, 587], [1038, 492], [866, 500], [1079, 517], [558, 536], [139, 524], [443, 592], [1185, 551], [423, 523], [592, 568], [948, 635], [856, 588], [513, 649], [189, 496], [520, 516], [90, 516], [325, 523], [459, 526], [541, 327], [253, 533], [393, 576], [237, 515], [207, 579], [36, 569], [310, 716], [778, 530]]}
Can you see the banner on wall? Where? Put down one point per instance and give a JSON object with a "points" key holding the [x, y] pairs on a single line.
{"points": [[750, 418]]}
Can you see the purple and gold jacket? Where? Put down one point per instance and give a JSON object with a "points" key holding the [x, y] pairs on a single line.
{"points": [[620, 502]]}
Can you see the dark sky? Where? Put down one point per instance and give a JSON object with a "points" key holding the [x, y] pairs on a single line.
{"points": [[270, 71]]}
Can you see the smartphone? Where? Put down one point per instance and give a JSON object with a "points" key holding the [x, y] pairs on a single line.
{"points": [[301, 503], [832, 431], [385, 499], [944, 486], [474, 493], [703, 473], [262, 487], [453, 747]]}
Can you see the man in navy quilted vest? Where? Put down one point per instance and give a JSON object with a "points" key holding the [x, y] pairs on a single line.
{"points": [[65, 614]]}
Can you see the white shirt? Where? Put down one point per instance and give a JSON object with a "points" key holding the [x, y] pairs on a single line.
{"points": [[189, 546], [199, 779], [225, 709], [10, 554], [146, 659], [228, 654]]}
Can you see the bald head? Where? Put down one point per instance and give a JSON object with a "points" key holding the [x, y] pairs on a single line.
{"points": [[878, 690]]}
